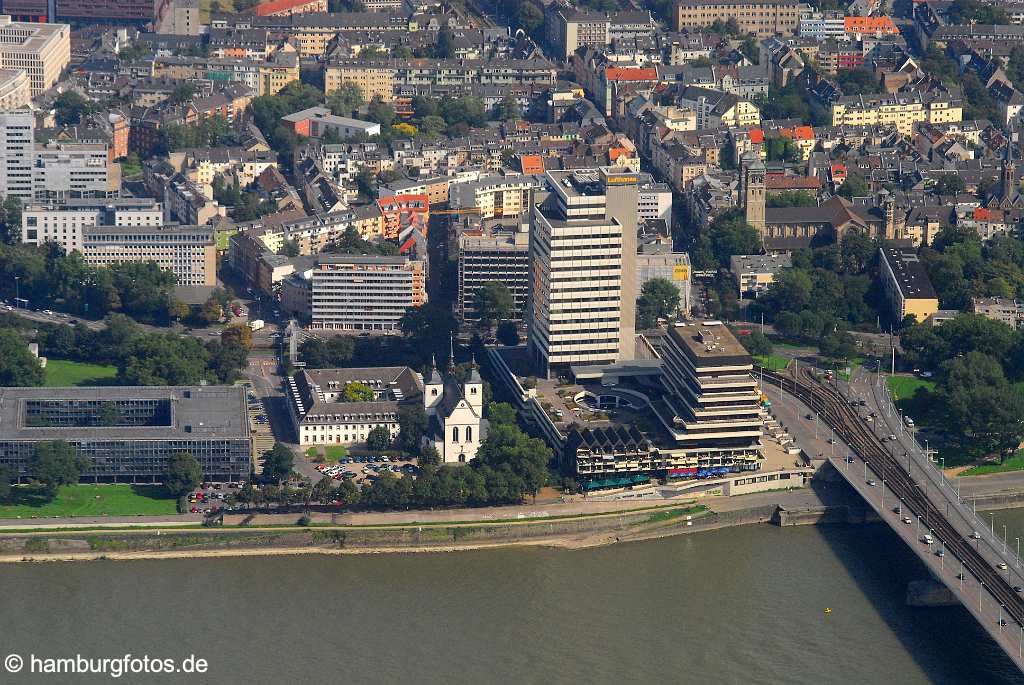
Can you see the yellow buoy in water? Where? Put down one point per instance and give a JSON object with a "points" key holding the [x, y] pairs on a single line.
{"points": [[828, 610]]}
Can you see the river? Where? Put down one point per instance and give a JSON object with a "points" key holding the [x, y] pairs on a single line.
{"points": [[743, 605]]}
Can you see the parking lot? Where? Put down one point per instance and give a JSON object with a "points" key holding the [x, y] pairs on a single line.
{"points": [[210, 497], [363, 468]]}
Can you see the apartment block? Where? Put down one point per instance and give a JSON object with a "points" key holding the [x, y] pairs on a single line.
{"points": [[356, 292], [583, 269], [755, 273], [906, 284], [899, 110], [1005, 309], [42, 51], [761, 17], [494, 196]]}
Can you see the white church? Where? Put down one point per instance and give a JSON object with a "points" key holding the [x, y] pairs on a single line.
{"points": [[455, 424]]}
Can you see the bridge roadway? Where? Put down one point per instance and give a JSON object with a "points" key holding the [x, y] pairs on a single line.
{"points": [[911, 487]]}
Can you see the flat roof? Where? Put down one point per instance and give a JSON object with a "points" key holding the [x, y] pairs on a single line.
{"points": [[911, 276], [710, 340], [197, 412]]}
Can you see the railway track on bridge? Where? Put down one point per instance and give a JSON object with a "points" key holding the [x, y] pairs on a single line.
{"points": [[843, 418]]}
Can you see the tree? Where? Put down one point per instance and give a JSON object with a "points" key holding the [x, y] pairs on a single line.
{"points": [[509, 109], [981, 406], [949, 184], [659, 299], [429, 456], [57, 463], [508, 333], [346, 99], [278, 462], [412, 424], [854, 186], [429, 329], [493, 302], [443, 46], [757, 343], [183, 474], [238, 335], [70, 107], [378, 439], [501, 413], [730, 234], [380, 112], [6, 478], [357, 392], [18, 366], [859, 81]]}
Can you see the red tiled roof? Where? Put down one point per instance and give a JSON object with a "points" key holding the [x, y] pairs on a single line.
{"points": [[792, 183], [756, 135], [266, 8], [531, 164], [630, 74]]}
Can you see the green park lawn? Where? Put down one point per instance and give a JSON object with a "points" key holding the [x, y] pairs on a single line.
{"points": [[1014, 463], [63, 373], [327, 452], [772, 362], [89, 500], [904, 387]]}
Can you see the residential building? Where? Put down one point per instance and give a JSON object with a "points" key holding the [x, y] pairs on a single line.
{"points": [[583, 269], [129, 434], [187, 203], [717, 108], [42, 51], [63, 223], [901, 110], [357, 292], [654, 201], [316, 122], [761, 17], [1005, 309], [182, 19], [189, 252], [754, 273], [505, 195], [284, 8], [906, 284]]}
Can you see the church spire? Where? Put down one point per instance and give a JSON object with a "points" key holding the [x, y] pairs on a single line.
{"points": [[451, 354]]}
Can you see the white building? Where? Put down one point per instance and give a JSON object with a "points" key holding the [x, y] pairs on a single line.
{"points": [[189, 252], [42, 51], [321, 415], [455, 426], [56, 171], [582, 304], [494, 195], [654, 201], [62, 223]]}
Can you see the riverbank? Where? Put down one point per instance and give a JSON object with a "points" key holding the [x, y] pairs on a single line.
{"points": [[567, 526]]}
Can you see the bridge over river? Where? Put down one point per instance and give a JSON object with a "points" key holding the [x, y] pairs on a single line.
{"points": [[898, 479]]}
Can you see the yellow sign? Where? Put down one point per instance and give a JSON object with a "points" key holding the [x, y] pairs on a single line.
{"points": [[612, 180], [680, 272]]}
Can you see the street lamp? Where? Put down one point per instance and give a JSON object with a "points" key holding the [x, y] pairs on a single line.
{"points": [[17, 290], [1004, 539]]}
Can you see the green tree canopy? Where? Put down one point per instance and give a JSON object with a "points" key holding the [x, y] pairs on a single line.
{"points": [[357, 392], [57, 463], [659, 299], [183, 474]]}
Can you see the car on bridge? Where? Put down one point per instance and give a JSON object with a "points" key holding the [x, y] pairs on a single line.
{"points": [[927, 539], [906, 519]]}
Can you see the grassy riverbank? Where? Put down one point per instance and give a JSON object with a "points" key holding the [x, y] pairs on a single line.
{"points": [[28, 502]]}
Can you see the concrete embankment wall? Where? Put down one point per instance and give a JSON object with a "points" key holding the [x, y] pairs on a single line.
{"points": [[810, 516], [999, 500], [39, 545]]}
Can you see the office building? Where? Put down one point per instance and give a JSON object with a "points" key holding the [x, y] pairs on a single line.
{"points": [[63, 223], [494, 254], [656, 257], [494, 195], [711, 404], [754, 273], [182, 19], [42, 51], [315, 122], [761, 17], [654, 201], [906, 284], [189, 252], [128, 434], [582, 306], [15, 89], [56, 171], [355, 292], [138, 12]]}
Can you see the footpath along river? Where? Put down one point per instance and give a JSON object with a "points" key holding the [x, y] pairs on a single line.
{"points": [[743, 605]]}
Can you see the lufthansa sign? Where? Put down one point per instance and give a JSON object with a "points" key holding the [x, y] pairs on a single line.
{"points": [[612, 180]]}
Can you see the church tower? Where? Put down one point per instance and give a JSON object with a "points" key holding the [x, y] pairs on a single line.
{"points": [[754, 192], [473, 389], [1009, 191], [433, 389]]}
